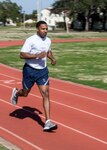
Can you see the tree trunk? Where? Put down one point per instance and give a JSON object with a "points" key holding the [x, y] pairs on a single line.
{"points": [[87, 25], [87, 20]]}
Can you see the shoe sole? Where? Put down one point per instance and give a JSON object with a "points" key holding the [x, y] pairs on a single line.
{"points": [[52, 128]]}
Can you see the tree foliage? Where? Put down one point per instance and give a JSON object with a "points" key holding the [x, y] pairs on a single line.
{"points": [[86, 7], [78, 6], [9, 10]]}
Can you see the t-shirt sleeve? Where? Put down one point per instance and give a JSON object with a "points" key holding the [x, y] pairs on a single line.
{"points": [[26, 46], [49, 45]]}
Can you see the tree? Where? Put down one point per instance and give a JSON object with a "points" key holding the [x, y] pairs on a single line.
{"points": [[74, 7], [59, 7], [32, 16], [9, 10]]}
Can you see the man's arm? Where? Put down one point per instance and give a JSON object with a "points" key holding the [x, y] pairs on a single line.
{"points": [[51, 57], [25, 55]]}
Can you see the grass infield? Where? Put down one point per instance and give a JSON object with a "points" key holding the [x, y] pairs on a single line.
{"points": [[3, 148], [84, 63]]}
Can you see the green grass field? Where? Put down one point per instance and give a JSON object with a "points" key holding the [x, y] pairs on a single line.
{"points": [[3, 148], [10, 33], [84, 63]]}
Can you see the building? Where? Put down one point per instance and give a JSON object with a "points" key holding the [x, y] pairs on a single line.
{"points": [[52, 19]]}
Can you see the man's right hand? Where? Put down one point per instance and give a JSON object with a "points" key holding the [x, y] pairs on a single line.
{"points": [[41, 55], [24, 55]]}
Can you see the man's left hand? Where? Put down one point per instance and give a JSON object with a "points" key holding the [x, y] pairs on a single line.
{"points": [[53, 62]]}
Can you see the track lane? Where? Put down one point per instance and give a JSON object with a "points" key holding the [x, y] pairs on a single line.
{"points": [[69, 134], [77, 103], [83, 91], [79, 120], [90, 93], [60, 111], [75, 121]]}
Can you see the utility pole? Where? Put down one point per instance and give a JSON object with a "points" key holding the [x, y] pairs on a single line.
{"points": [[24, 19], [39, 5]]}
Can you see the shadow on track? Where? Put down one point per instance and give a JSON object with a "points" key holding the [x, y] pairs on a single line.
{"points": [[28, 112]]}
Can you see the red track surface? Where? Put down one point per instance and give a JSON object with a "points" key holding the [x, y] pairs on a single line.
{"points": [[80, 112], [20, 42]]}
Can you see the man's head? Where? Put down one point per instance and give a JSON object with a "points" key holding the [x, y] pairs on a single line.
{"points": [[42, 28]]}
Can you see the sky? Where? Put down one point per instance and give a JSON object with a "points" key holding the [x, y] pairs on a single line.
{"points": [[30, 5]]}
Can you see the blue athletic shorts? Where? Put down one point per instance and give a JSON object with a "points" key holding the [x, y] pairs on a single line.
{"points": [[32, 76]]}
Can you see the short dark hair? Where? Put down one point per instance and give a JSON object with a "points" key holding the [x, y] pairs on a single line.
{"points": [[39, 23]]}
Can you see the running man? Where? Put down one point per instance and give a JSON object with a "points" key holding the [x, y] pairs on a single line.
{"points": [[35, 51]]}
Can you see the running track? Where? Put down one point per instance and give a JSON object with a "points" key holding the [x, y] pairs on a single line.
{"points": [[80, 112], [20, 42]]}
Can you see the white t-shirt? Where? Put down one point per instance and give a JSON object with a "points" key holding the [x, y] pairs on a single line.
{"points": [[33, 45]]}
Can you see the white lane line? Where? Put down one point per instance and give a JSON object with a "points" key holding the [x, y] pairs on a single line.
{"points": [[64, 105], [83, 111], [82, 133], [20, 138], [78, 95], [9, 82], [9, 76], [65, 126], [79, 85], [92, 99]]}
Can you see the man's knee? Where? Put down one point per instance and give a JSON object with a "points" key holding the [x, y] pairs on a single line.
{"points": [[45, 93]]}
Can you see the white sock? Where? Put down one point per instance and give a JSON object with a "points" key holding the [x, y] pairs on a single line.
{"points": [[47, 120]]}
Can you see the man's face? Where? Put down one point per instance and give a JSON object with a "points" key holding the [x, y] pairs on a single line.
{"points": [[42, 30]]}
